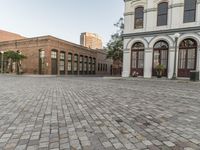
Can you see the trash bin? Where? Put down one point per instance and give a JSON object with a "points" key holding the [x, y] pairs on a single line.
{"points": [[194, 75]]}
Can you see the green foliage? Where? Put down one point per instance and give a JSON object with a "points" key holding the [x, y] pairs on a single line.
{"points": [[160, 69], [14, 56], [115, 45]]}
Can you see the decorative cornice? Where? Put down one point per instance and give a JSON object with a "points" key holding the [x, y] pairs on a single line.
{"points": [[150, 9], [128, 13], [176, 5], [126, 1], [169, 31]]}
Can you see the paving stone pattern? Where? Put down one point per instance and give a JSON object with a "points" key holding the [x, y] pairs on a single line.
{"points": [[91, 113]]}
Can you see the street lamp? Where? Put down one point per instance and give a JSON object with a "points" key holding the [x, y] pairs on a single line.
{"points": [[176, 36], [2, 52]]}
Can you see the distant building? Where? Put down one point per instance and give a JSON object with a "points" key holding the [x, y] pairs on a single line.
{"points": [[8, 36], [50, 55], [91, 40]]}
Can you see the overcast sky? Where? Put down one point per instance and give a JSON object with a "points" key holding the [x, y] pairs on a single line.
{"points": [[65, 19]]}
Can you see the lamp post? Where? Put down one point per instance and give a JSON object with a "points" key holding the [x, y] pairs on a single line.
{"points": [[176, 36], [2, 52]]}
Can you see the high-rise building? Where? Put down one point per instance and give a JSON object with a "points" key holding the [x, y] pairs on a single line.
{"points": [[91, 40]]}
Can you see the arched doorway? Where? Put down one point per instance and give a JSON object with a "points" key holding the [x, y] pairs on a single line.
{"points": [[41, 61], [160, 56], [187, 57], [54, 62], [137, 59]]}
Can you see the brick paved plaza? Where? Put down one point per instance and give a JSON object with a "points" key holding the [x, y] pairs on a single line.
{"points": [[93, 113]]}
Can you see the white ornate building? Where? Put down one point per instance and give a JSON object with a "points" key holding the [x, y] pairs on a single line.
{"points": [[150, 37]]}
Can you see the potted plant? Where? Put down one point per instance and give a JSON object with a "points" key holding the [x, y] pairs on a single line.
{"points": [[159, 70], [135, 74]]}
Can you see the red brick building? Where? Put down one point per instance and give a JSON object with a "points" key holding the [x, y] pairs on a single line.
{"points": [[7, 36], [50, 55]]}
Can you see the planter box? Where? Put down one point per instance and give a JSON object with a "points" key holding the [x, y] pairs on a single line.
{"points": [[194, 76]]}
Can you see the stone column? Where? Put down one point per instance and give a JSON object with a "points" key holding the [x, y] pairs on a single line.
{"points": [[198, 60], [126, 63], [148, 56], [171, 62]]}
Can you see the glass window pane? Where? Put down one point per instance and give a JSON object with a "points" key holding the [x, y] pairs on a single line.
{"points": [[162, 20], [85, 67], [75, 66], [190, 4], [161, 45], [139, 12], [62, 65], [42, 54], [162, 8], [138, 46], [191, 64], [139, 17], [69, 66], [164, 56], [140, 63], [189, 16], [69, 57], [53, 54], [62, 55], [75, 57], [134, 59], [93, 67], [162, 14], [190, 10], [182, 59], [81, 66], [81, 58], [141, 59], [191, 59], [156, 58]]}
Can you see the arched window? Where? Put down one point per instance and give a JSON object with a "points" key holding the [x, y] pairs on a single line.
{"points": [[189, 11], [137, 62], [81, 64], [187, 57], [62, 62], [93, 65], [139, 17], [69, 64], [54, 62], [41, 61], [160, 56], [75, 63], [86, 64], [162, 14]]}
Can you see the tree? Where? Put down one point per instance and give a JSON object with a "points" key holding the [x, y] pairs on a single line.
{"points": [[14, 57], [115, 45]]}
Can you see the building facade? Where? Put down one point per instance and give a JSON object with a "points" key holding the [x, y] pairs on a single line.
{"points": [[153, 30], [50, 55], [91, 40], [7, 36]]}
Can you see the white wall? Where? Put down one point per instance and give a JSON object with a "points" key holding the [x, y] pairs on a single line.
{"points": [[175, 21], [175, 15]]}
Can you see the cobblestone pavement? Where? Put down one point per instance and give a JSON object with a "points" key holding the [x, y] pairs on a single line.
{"points": [[91, 113]]}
